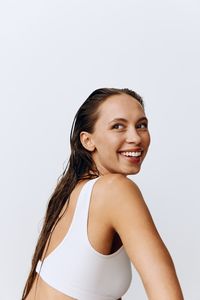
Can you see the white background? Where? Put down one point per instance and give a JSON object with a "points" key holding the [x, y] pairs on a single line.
{"points": [[53, 55]]}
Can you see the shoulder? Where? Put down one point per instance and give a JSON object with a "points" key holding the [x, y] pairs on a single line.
{"points": [[123, 202], [128, 214], [119, 196], [114, 186], [116, 180]]}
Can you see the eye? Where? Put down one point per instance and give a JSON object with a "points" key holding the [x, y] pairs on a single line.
{"points": [[118, 126], [142, 125]]}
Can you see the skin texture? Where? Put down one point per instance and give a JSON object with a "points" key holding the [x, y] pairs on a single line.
{"points": [[126, 208], [110, 137], [117, 204], [130, 217]]}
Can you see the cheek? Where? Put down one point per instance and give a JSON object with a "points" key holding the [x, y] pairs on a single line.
{"points": [[147, 139], [106, 140], [108, 146]]}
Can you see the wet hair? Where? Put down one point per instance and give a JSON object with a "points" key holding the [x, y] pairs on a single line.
{"points": [[80, 166]]}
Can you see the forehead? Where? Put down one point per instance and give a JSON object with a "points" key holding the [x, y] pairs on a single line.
{"points": [[120, 106]]}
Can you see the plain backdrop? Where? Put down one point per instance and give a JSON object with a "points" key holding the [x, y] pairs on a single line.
{"points": [[53, 54]]}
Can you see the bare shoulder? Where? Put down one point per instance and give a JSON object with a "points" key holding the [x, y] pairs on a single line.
{"points": [[129, 215], [117, 189], [119, 183], [123, 203]]}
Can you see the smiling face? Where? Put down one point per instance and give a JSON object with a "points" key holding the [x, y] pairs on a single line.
{"points": [[120, 139]]}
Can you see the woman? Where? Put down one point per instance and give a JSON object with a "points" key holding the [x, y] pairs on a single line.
{"points": [[97, 222]]}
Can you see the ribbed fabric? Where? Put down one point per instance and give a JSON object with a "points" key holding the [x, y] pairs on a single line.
{"points": [[76, 269]]}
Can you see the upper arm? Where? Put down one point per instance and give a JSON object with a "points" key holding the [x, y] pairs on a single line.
{"points": [[130, 217]]}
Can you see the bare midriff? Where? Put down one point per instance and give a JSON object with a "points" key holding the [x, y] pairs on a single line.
{"points": [[41, 290]]}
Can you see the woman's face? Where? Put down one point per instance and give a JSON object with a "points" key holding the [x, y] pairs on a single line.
{"points": [[121, 137]]}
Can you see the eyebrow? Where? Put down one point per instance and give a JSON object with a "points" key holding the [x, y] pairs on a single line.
{"points": [[124, 120]]}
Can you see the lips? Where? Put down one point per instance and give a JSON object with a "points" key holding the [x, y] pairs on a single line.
{"points": [[133, 152], [136, 149], [134, 159]]}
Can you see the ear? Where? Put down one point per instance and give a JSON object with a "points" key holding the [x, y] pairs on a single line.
{"points": [[86, 141]]}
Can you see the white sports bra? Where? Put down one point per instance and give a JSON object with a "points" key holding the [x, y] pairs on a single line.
{"points": [[76, 269]]}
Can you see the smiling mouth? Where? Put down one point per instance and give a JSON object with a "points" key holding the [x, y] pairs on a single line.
{"points": [[131, 153]]}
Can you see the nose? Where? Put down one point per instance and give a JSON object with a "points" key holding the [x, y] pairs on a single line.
{"points": [[133, 136]]}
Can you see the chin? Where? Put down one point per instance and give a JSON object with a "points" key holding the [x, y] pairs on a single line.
{"points": [[133, 172]]}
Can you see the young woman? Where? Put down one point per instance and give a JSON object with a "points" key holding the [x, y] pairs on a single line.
{"points": [[97, 222]]}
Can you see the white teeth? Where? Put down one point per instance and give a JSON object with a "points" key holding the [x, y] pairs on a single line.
{"points": [[131, 153]]}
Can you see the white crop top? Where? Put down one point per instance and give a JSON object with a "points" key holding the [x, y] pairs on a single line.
{"points": [[76, 269]]}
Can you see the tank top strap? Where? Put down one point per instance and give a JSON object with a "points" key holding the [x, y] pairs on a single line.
{"points": [[79, 220]]}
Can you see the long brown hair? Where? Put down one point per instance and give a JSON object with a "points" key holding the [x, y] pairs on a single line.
{"points": [[79, 166]]}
